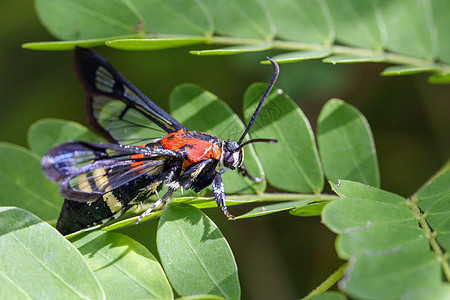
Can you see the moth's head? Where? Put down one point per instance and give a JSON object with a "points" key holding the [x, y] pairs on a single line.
{"points": [[232, 155]]}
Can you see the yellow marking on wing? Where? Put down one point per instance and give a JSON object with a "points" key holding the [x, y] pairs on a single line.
{"points": [[100, 177], [83, 184]]}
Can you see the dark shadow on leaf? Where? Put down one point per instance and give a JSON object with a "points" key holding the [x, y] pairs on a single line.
{"points": [[340, 117], [110, 240], [231, 281]]}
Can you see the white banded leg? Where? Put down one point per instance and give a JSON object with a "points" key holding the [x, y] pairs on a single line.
{"points": [[154, 205]]}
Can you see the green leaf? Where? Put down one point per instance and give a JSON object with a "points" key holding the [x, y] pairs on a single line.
{"points": [[300, 55], [195, 255], [310, 210], [439, 78], [47, 133], [246, 19], [292, 164], [408, 70], [347, 189], [70, 45], [274, 208], [441, 291], [366, 241], [440, 10], [155, 43], [22, 183], [367, 206], [414, 33], [201, 297], [39, 263], [409, 31], [358, 23], [434, 200], [234, 50], [351, 59], [124, 268], [181, 17], [393, 275], [389, 254], [85, 19], [346, 144], [202, 111], [302, 21]]}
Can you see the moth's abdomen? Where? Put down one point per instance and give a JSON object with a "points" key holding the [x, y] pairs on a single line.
{"points": [[76, 215]]}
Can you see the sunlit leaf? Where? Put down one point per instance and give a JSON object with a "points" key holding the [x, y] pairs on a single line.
{"points": [[22, 183], [292, 164], [234, 50], [389, 254], [47, 133], [70, 45], [124, 268], [409, 29], [434, 200], [155, 43], [84, 19], [349, 59], [302, 21], [346, 144], [408, 70], [195, 255], [358, 23], [300, 55], [246, 19], [39, 263], [414, 32], [274, 208], [310, 210], [439, 78]]}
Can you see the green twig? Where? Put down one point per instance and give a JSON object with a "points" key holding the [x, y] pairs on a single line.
{"points": [[431, 236], [421, 217], [266, 197], [329, 282]]}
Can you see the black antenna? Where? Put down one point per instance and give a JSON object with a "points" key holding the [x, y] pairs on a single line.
{"points": [[269, 141], [264, 97]]}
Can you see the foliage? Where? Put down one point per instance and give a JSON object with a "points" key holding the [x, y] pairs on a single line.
{"points": [[396, 247], [412, 35], [378, 231]]}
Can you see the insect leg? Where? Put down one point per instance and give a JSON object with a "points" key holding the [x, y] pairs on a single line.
{"points": [[244, 172], [219, 194], [154, 205]]}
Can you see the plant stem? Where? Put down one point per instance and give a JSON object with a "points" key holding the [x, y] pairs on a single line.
{"points": [[265, 197], [421, 217], [329, 282], [431, 235]]}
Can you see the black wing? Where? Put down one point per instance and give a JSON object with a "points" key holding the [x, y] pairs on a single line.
{"points": [[89, 170], [117, 109]]}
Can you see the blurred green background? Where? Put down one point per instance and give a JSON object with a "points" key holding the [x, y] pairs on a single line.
{"points": [[279, 256]]}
